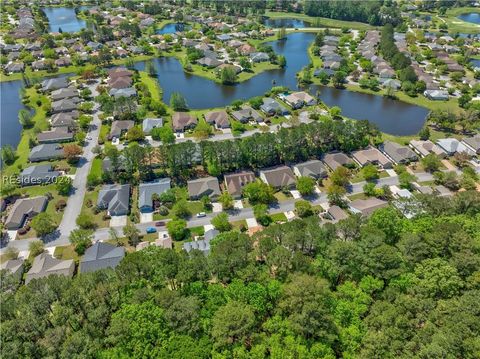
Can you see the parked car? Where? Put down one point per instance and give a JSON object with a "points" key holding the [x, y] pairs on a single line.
{"points": [[201, 214], [159, 224], [151, 230]]}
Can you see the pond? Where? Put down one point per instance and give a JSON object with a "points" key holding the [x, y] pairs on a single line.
{"points": [[393, 117], [473, 17], [173, 28], [63, 18], [287, 23], [11, 129], [475, 62]]}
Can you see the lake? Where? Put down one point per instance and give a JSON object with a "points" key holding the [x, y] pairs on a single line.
{"points": [[11, 129], [473, 17], [394, 117], [63, 18], [173, 28], [287, 23]]}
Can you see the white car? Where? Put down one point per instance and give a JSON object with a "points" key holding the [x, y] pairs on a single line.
{"points": [[201, 214]]}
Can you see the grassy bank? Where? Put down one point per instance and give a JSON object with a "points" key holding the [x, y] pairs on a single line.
{"points": [[455, 25], [321, 21]]}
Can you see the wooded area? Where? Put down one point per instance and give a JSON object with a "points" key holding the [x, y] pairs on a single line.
{"points": [[386, 287]]}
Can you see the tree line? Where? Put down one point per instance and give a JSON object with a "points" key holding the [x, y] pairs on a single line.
{"points": [[261, 150], [381, 287]]}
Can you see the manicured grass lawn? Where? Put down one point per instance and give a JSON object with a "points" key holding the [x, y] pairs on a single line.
{"points": [[104, 131], [66, 252], [280, 196], [152, 85], [92, 196], [96, 168], [359, 178], [319, 21], [358, 196], [455, 24], [279, 217], [197, 231]]}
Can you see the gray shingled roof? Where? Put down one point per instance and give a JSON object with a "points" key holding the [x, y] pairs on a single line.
{"points": [[146, 191], [100, 256]]}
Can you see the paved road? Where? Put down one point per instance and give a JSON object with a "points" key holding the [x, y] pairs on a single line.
{"points": [[236, 215], [75, 200]]}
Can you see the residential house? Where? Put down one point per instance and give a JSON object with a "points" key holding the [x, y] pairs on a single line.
{"points": [[442, 191], [46, 152], [14, 267], [115, 199], [314, 169], [65, 105], [367, 206], [14, 67], [45, 265], [272, 107], [65, 119], [235, 182], [39, 174], [202, 245], [224, 37], [246, 49], [182, 121], [101, 256], [24, 208], [259, 57], [148, 189], [150, 123], [336, 214], [371, 155], [207, 186], [424, 148], [452, 146], [278, 177], [218, 118], [63, 93], [119, 128], [57, 134], [437, 95], [472, 143], [336, 159], [209, 62], [397, 153], [299, 99], [54, 84], [123, 92], [246, 114], [164, 240]]}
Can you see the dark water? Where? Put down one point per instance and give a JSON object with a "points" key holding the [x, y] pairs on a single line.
{"points": [[473, 17], [203, 93], [64, 18], [11, 104], [475, 62], [173, 28], [287, 23], [394, 117]]}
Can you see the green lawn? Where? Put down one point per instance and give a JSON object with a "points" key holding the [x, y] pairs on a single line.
{"points": [[455, 25], [66, 252], [319, 21], [357, 196], [279, 217], [96, 168], [152, 85], [91, 197]]}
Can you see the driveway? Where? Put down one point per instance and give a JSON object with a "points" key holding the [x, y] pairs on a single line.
{"points": [[146, 217], [118, 221]]}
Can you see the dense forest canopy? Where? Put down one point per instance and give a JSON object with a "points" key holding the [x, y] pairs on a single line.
{"points": [[383, 287]]}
